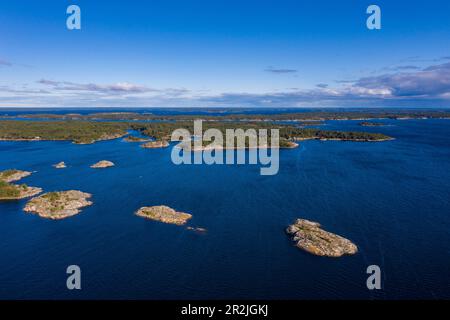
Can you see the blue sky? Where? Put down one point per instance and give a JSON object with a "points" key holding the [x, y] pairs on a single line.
{"points": [[224, 53]]}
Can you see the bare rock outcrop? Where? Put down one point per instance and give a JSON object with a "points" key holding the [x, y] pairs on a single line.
{"points": [[61, 165], [310, 237], [103, 164]]}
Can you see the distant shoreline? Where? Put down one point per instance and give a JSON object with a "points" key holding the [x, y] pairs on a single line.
{"points": [[235, 114]]}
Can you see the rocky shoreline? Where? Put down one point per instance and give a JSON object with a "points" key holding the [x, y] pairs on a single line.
{"points": [[309, 237], [344, 139], [13, 175], [135, 139], [288, 145], [102, 138], [34, 139], [155, 144]]}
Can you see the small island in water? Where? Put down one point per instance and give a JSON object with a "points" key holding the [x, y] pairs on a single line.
{"points": [[309, 237], [103, 164], [164, 214], [371, 124], [60, 165], [58, 205]]}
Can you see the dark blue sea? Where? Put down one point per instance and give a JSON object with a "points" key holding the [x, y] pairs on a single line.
{"points": [[390, 198]]}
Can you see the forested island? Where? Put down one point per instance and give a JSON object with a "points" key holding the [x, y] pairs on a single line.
{"points": [[80, 132], [84, 132]]}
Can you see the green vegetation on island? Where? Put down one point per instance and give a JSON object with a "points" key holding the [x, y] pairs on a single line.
{"points": [[82, 132], [9, 191], [308, 134], [288, 133], [12, 175]]}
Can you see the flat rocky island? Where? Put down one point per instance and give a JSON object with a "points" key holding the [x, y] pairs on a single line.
{"points": [[310, 237], [155, 144], [58, 205], [102, 164], [61, 165], [164, 214]]}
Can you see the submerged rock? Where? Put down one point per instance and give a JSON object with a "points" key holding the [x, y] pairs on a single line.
{"points": [[164, 214], [310, 237], [103, 164], [197, 229], [58, 205], [60, 165], [13, 175], [155, 144]]}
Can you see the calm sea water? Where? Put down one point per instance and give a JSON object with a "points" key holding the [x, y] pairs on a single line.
{"points": [[391, 198]]}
